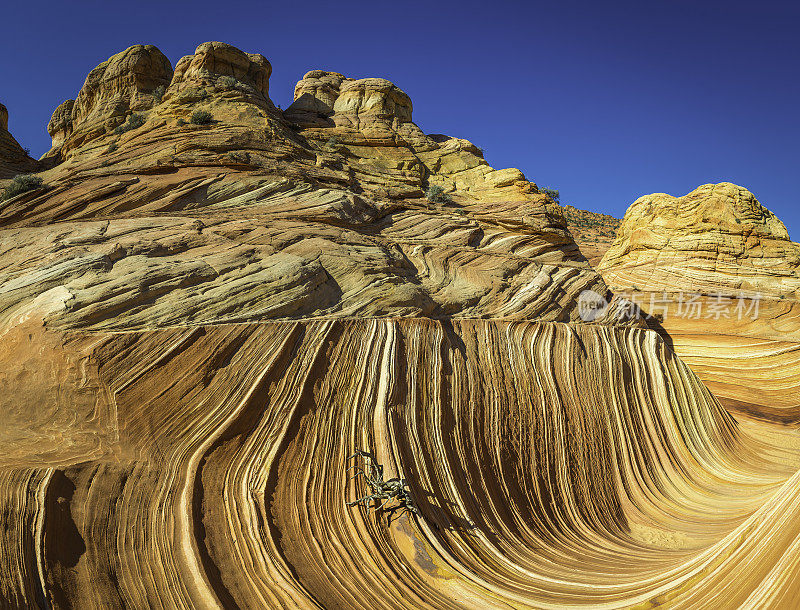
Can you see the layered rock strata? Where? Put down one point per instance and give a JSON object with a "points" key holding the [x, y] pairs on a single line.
{"points": [[202, 320], [719, 271]]}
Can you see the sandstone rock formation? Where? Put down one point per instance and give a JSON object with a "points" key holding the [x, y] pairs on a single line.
{"points": [[201, 322], [213, 62], [13, 158], [122, 84], [594, 233], [60, 125], [716, 238], [314, 97], [720, 271]]}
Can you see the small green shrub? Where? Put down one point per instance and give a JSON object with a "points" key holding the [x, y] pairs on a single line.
{"points": [[134, 122], [552, 193], [22, 184], [190, 96], [159, 91], [181, 122], [436, 194], [201, 117], [228, 81]]}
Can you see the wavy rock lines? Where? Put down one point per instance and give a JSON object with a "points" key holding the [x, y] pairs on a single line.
{"points": [[553, 465]]}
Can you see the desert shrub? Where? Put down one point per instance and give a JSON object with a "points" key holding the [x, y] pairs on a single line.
{"points": [[189, 96], [159, 91], [201, 117], [436, 194], [22, 184], [134, 122], [552, 193], [228, 81]]}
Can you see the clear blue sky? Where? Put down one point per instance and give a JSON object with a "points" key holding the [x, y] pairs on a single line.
{"points": [[605, 101]]}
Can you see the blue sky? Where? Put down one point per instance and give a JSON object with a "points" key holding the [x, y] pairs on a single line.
{"points": [[606, 101]]}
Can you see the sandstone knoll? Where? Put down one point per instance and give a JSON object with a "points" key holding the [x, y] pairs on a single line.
{"points": [[719, 246], [13, 158], [716, 238], [201, 322]]}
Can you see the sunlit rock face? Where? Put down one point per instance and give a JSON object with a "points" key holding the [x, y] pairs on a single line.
{"points": [[60, 125], [718, 237], [213, 61], [201, 320], [314, 97], [124, 83], [731, 277]]}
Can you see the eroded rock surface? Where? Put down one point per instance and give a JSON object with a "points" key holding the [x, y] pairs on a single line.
{"points": [[716, 238], [719, 270], [124, 83], [593, 232], [202, 320]]}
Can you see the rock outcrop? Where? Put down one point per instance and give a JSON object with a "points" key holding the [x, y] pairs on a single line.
{"points": [[60, 125], [719, 271], [314, 97], [13, 158], [202, 320], [716, 238], [214, 63], [124, 83]]}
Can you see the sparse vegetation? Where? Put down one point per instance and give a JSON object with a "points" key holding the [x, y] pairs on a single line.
{"points": [[193, 95], [134, 121], [181, 122], [333, 143], [112, 147], [436, 194], [159, 91], [228, 81], [552, 193], [22, 184], [201, 117]]}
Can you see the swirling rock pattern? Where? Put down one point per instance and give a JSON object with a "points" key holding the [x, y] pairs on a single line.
{"points": [[200, 323], [539, 483]]}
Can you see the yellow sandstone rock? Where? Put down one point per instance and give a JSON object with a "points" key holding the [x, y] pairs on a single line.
{"points": [[200, 322]]}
